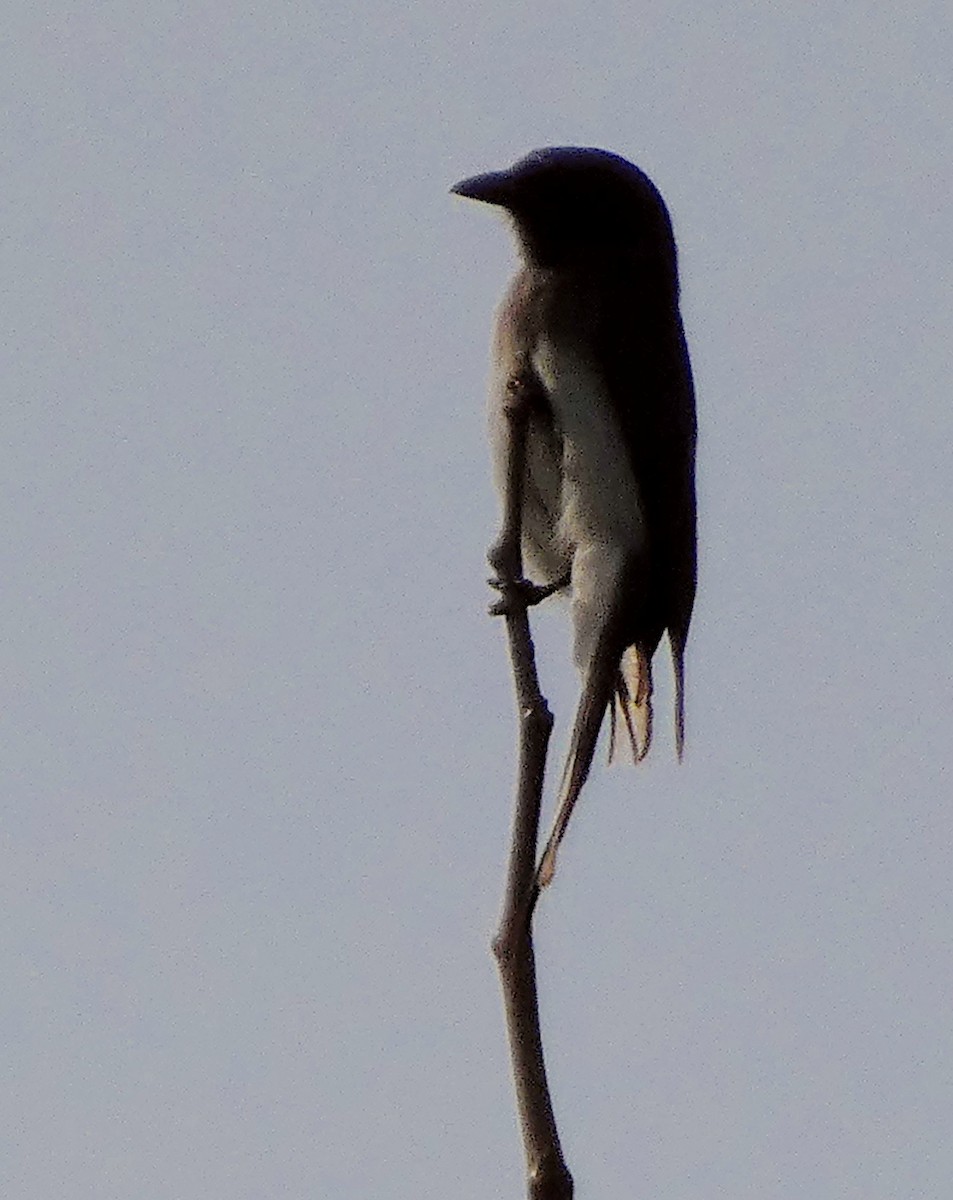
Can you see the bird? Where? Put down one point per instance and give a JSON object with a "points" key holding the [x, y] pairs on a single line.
{"points": [[591, 321]]}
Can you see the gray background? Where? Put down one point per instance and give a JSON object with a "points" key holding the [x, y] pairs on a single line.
{"points": [[257, 731]]}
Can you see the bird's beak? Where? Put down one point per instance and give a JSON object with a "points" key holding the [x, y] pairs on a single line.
{"points": [[496, 187]]}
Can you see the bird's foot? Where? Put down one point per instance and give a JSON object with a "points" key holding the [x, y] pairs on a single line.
{"points": [[517, 595]]}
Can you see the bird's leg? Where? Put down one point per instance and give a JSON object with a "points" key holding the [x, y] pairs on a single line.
{"points": [[524, 393]]}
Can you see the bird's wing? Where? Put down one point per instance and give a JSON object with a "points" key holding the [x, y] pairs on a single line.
{"points": [[639, 338]]}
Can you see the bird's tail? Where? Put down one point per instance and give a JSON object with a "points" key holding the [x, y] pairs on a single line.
{"points": [[625, 688], [632, 704], [599, 684]]}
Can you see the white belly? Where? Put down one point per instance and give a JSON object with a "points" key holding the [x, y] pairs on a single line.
{"points": [[600, 526]]}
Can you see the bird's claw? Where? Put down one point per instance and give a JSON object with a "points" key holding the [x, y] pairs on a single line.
{"points": [[517, 595]]}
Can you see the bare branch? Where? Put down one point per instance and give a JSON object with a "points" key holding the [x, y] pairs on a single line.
{"points": [[548, 1177]]}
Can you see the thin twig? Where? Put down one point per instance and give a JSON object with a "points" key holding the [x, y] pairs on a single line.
{"points": [[548, 1177]]}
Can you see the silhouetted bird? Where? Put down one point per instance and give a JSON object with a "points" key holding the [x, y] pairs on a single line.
{"points": [[592, 319]]}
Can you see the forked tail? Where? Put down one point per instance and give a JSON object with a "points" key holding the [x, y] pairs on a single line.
{"points": [[626, 690]]}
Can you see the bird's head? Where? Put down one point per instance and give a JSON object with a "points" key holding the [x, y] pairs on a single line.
{"points": [[570, 202]]}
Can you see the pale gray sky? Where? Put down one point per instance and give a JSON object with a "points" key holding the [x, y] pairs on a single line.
{"points": [[257, 731]]}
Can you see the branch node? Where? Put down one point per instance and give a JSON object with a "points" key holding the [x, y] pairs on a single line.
{"points": [[537, 718]]}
